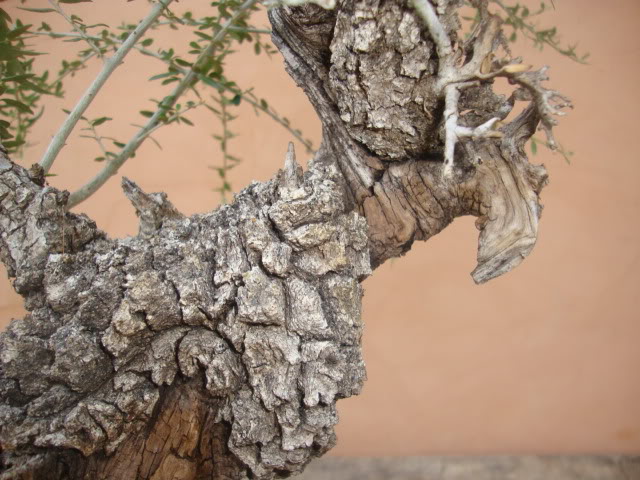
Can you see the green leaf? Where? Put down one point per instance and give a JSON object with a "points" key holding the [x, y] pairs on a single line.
{"points": [[183, 63], [211, 82], [204, 36], [37, 10], [17, 78], [100, 121], [187, 121], [75, 1], [16, 32], [146, 113], [32, 86], [147, 42], [21, 107], [236, 99], [13, 143], [534, 147], [161, 75], [4, 15]]}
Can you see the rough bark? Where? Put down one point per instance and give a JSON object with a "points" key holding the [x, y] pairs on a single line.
{"points": [[216, 346]]}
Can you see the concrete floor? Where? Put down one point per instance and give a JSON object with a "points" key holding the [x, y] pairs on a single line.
{"points": [[476, 468]]}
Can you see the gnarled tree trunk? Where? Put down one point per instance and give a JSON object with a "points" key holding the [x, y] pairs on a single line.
{"points": [[216, 346]]}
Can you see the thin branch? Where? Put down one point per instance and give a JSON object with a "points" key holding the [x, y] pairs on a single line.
{"points": [[97, 138], [452, 79], [246, 96], [130, 148], [437, 31], [232, 28], [530, 32], [79, 31], [58, 141], [252, 101]]}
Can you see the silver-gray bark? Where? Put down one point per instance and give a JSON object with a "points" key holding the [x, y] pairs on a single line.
{"points": [[216, 346]]}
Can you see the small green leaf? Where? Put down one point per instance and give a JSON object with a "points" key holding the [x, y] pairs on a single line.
{"points": [[4, 15], [13, 143], [146, 113], [21, 107], [210, 82], [204, 36], [183, 63], [161, 75], [18, 78], [37, 10], [100, 121]]}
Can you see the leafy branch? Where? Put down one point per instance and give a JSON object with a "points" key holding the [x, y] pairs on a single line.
{"points": [[76, 24], [59, 139], [203, 63], [228, 161], [215, 37], [519, 18]]}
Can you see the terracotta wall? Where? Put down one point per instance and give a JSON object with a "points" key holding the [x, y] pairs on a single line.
{"points": [[544, 359]]}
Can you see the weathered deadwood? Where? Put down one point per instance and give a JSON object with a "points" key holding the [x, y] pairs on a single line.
{"points": [[368, 82], [216, 346]]}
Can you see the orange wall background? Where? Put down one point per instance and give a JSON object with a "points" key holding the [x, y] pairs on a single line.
{"points": [[542, 360]]}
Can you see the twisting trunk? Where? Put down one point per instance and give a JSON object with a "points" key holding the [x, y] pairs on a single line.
{"points": [[216, 346]]}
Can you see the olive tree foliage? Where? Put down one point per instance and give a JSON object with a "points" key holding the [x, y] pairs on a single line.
{"points": [[217, 345]]}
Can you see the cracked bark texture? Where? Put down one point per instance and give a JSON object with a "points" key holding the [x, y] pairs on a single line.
{"points": [[216, 346]]}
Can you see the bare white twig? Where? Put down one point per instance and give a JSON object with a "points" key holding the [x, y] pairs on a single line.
{"points": [[58, 141], [130, 148], [451, 80], [437, 32], [454, 76], [452, 95]]}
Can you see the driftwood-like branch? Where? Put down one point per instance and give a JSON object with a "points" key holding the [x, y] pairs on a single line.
{"points": [[391, 153], [216, 346]]}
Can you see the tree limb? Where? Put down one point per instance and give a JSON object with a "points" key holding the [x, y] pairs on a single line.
{"points": [[59, 139]]}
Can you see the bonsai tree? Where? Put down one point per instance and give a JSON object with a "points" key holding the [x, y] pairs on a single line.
{"points": [[217, 345]]}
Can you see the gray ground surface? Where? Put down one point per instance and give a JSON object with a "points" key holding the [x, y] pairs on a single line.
{"points": [[476, 468]]}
